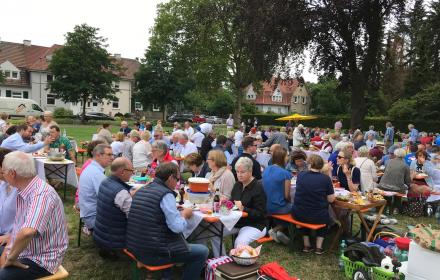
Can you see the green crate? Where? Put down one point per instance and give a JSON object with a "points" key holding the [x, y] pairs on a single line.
{"points": [[378, 272]]}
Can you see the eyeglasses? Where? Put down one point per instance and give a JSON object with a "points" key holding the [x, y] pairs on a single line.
{"points": [[339, 157], [107, 154], [129, 170]]}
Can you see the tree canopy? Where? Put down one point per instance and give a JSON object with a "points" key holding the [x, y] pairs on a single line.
{"points": [[83, 69]]}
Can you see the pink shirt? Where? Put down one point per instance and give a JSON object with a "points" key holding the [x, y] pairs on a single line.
{"points": [[39, 207]]}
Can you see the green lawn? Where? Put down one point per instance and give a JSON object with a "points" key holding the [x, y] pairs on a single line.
{"points": [[84, 262]]}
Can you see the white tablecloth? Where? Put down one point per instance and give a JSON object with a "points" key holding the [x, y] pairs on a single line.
{"points": [[263, 159], [43, 165], [228, 221]]}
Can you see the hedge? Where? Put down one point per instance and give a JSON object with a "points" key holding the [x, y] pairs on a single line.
{"points": [[329, 121]]}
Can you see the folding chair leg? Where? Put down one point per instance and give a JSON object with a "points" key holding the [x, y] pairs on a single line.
{"points": [[79, 232], [293, 235], [135, 271]]}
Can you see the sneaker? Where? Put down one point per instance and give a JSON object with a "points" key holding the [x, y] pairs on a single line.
{"points": [[282, 237], [86, 231], [273, 234], [319, 251]]}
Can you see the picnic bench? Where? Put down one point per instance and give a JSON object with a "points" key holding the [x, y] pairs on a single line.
{"points": [[137, 265]]}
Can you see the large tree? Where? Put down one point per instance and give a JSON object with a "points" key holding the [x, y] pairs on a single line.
{"points": [[83, 69], [345, 39]]}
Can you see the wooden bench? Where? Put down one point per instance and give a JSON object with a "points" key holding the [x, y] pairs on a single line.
{"points": [[81, 152], [294, 225], [137, 265], [264, 239], [60, 274]]}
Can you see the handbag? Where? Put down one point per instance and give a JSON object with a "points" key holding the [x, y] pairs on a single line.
{"points": [[414, 206]]}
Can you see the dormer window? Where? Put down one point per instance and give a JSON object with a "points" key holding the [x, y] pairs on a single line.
{"points": [[276, 96], [304, 99], [251, 95]]}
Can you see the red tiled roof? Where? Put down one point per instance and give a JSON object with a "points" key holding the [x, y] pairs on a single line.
{"points": [[287, 87], [35, 58]]}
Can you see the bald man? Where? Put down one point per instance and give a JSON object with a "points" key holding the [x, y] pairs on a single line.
{"points": [[114, 202]]}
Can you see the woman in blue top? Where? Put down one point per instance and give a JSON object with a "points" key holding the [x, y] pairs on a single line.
{"points": [[276, 184], [314, 192], [8, 197]]}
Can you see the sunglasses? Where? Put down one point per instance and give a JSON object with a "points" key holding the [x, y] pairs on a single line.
{"points": [[339, 157]]}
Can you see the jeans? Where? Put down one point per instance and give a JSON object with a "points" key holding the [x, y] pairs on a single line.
{"points": [[14, 273], [193, 261]]}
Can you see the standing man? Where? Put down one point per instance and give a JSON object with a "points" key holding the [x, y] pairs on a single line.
{"points": [[388, 138], [89, 182], [124, 128], [230, 122], [39, 235], [197, 138], [413, 134], [238, 138], [114, 202], [249, 149], [16, 142], [60, 141], [155, 226]]}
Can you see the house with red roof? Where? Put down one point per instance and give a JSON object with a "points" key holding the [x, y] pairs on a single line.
{"points": [[280, 97], [25, 67]]}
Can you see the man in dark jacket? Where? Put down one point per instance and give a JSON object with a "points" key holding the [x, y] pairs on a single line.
{"points": [[113, 205], [249, 149], [155, 226]]}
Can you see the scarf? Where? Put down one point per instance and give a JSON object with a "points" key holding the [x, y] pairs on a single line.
{"points": [[215, 176]]}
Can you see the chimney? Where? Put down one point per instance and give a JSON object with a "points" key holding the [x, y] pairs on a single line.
{"points": [[117, 55], [27, 43]]}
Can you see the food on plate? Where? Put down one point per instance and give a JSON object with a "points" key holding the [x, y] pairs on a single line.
{"points": [[421, 175], [343, 197], [245, 251]]}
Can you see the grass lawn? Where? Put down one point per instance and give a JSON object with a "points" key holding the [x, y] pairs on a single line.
{"points": [[85, 263]]}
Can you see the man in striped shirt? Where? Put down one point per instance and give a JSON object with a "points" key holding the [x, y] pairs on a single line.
{"points": [[39, 235]]}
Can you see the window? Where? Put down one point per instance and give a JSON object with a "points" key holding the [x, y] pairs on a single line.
{"points": [[116, 85], [50, 99], [95, 104], [279, 110], [269, 109], [8, 93], [17, 94], [88, 104], [36, 108], [25, 95], [14, 75], [304, 99], [295, 99], [49, 78], [115, 104], [7, 74], [156, 108], [138, 106]]}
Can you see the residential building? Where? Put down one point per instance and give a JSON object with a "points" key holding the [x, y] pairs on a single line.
{"points": [[25, 67], [282, 97]]}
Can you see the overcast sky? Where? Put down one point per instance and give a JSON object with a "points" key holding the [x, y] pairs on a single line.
{"points": [[126, 24]]}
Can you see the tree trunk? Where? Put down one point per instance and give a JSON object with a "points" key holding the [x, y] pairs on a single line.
{"points": [[358, 104], [237, 109], [83, 114]]}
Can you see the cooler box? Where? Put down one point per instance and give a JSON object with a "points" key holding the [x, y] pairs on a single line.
{"points": [[423, 264], [233, 271]]}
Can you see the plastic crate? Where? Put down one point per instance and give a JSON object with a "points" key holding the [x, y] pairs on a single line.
{"points": [[378, 272]]}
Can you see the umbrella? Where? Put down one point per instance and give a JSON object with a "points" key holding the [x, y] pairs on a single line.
{"points": [[297, 117]]}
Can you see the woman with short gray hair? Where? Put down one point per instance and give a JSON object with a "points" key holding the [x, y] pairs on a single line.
{"points": [[367, 168]]}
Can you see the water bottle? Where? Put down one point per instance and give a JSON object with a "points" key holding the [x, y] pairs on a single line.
{"points": [[396, 253], [403, 256], [341, 253], [64, 133], [429, 210], [437, 213]]}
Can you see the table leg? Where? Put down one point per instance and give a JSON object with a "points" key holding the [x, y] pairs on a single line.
{"points": [[364, 223], [221, 238], [65, 181], [376, 222]]}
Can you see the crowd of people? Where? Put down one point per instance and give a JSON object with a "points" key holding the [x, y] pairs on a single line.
{"points": [[147, 222]]}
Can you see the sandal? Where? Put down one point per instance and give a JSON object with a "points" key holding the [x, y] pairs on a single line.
{"points": [[307, 249], [319, 251]]}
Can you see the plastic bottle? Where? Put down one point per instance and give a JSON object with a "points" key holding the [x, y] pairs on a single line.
{"points": [[341, 253], [64, 133], [396, 253], [216, 201], [437, 214], [403, 256]]}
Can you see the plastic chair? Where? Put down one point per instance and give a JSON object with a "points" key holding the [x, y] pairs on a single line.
{"points": [[60, 274]]}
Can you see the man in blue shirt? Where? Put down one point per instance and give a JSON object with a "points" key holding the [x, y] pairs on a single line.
{"points": [[413, 133], [89, 182], [155, 226], [388, 138], [16, 142]]}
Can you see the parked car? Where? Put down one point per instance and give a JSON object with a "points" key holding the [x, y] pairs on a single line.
{"points": [[199, 119], [180, 118], [17, 107], [97, 116], [214, 120]]}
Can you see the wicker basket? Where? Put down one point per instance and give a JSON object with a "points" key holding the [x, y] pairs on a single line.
{"points": [[378, 272], [245, 261]]}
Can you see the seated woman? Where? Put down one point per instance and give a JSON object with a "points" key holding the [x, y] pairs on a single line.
{"points": [[396, 178], [195, 163], [221, 177], [420, 186], [161, 154], [118, 144], [142, 155], [367, 168], [297, 162], [314, 192], [8, 198], [104, 134], [348, 174], [276, 184]]}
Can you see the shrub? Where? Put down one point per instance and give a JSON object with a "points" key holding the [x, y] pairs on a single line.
{"points": [[61, 112]]}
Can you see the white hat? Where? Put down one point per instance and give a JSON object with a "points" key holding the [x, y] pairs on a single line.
{"points": [[205, 128]]}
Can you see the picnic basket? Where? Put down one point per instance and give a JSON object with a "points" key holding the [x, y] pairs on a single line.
{"points": [[378, 272]]}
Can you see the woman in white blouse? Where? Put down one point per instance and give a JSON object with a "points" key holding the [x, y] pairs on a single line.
{"points": [[221, 177], [367, 168], [142, 152]]}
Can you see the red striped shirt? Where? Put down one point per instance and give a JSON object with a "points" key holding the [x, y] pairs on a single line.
{"points": [[39, 207]]}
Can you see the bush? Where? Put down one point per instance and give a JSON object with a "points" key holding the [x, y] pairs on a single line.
{"points": [[119, 115], [61, 112]]}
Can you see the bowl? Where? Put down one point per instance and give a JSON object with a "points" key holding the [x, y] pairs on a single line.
{"points": [[198, 197], [55, 156], [245, 261], [198, 185]]}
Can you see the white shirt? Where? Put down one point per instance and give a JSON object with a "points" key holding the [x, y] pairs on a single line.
{"points": [[368, 172], [197, 139], [189, 131], [229, 123], [188, 149], [371, 143], [238, 138], [117, 147], [141, 154]]}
